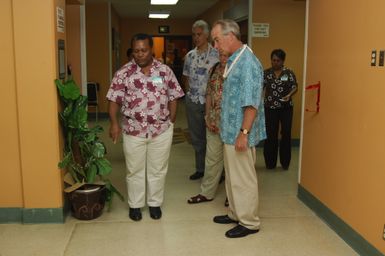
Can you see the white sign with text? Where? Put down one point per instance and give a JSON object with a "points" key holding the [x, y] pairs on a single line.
{"points": [[261, 29]]}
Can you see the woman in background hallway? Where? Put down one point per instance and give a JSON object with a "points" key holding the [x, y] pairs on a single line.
{"points": [[280, 84]]}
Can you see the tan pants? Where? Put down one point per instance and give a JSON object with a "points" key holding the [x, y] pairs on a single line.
{"points": [[242, 186], [146, 164], [214, 165]]}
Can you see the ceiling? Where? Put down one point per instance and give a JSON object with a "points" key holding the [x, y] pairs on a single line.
{"points": [[187, 9]]}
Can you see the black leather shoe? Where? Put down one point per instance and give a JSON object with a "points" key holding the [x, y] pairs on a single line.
{"points": [[196, 175], [155, 212], [135, 214], [224, 219], [240, 231]]}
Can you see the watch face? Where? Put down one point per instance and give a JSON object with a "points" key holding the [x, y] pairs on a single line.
{"points": [[244, 131]]}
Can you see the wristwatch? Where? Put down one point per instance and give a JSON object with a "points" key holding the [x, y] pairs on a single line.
{"points": [[244, 131]]}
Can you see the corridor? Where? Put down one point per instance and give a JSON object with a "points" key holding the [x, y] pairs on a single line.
{"points": [[288, 228]]}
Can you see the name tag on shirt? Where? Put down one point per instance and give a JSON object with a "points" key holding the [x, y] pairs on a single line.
{"points": [[157, 80], [284, 78]]}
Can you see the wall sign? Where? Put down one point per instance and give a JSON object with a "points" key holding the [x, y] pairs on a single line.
{"points": [[60, 20], [261, 29]]}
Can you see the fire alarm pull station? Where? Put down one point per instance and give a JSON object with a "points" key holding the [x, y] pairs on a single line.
{"points": [[373, 58]]}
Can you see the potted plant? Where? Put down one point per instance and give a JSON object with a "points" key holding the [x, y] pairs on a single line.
{"points": [[84, 158]]}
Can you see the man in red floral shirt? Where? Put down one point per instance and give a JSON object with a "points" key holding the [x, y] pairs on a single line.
{"points": [[145, 91]]}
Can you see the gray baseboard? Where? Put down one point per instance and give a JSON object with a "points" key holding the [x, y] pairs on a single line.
{"points": [[32, 216], [351, 237], [10, 215]]}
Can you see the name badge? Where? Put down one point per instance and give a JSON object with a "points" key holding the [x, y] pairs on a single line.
{"points": [[157, 80], [201, 71], [284, 78]]}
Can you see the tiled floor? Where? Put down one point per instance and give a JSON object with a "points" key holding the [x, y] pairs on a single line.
{"points": [[288, 228]]}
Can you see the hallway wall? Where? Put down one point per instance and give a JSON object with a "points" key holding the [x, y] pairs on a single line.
{"points": [[30, 136], [11, 194], [215, 12], [130, 27], [98, 49], [287, 31], [343, 145], [98, 45], [73, 42]]}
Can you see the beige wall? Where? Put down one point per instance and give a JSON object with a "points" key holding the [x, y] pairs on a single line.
{"points": [[11, 194], [73, 41], [287, 31], [115, 51], [98, 49], [30, 140], [343, 146], [216, 11]]}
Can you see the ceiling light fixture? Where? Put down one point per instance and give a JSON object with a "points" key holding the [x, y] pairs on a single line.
{"points": [[163, 2], [158, 14]]}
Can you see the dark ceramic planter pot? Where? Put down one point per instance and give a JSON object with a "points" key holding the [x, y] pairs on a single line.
{"points": [[87, 202]]}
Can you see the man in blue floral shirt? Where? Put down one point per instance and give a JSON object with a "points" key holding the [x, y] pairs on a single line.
{"points": [[242, 127], [196, 69]]}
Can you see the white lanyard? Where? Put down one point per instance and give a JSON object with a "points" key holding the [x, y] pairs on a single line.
{"points": [[228, 69], [205, 59]]}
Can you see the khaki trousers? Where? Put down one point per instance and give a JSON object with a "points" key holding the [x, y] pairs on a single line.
{"points": [[242, 186], [146, 167], [214, 165]]}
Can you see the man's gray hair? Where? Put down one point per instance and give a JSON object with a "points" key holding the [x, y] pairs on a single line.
{"points": [[203, 25], [229, 26]]}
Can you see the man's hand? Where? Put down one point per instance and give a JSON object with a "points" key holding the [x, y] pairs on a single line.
{"points": [[286, 98], [115, 132], [241, 142], [211, 126]]}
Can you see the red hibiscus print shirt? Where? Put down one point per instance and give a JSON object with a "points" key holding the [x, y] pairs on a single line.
{"points": [[144, 99]]}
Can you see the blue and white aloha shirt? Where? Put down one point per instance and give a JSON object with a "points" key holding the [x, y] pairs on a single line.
{"points": [[243, 87], [196, 68]]}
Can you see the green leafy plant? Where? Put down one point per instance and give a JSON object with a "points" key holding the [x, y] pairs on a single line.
{"points": [[84, 153]]}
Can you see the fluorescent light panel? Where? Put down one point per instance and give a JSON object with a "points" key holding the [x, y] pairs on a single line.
{"points": [[158, 14], [163, 2]]}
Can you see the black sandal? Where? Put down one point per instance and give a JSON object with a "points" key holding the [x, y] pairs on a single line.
{"points": [[198, 199]]}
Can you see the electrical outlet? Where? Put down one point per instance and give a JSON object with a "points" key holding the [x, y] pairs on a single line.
{"points": [[381, 58], [383, 233], [373, 58]]}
